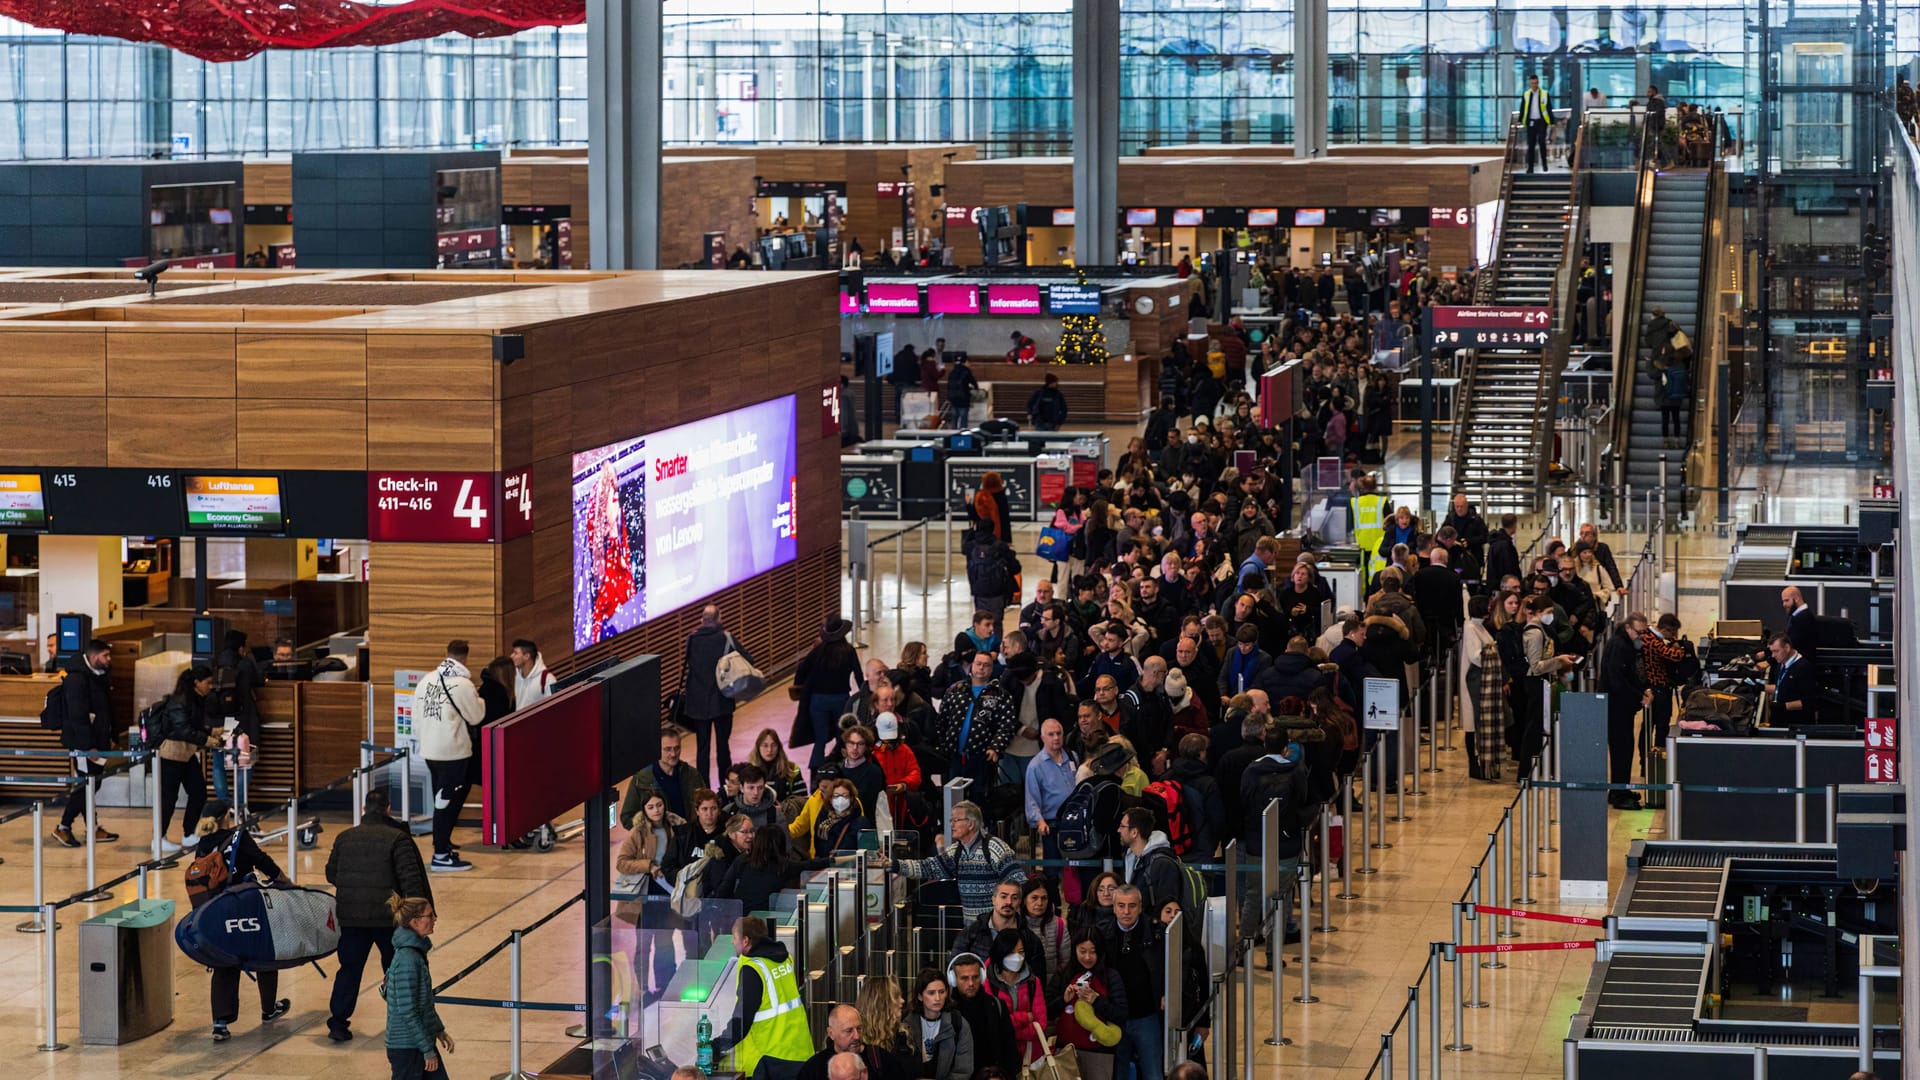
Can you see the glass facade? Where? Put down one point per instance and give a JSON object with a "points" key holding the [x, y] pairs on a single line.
{"points": [[991, 72]]}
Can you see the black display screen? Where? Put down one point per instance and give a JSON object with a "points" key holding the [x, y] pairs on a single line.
{"points": [[114, 502]]}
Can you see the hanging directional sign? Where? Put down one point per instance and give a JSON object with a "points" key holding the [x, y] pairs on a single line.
{"points": [[1489, 326]]}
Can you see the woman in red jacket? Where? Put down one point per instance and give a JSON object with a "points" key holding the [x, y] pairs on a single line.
{"points": [[1013, 980]]}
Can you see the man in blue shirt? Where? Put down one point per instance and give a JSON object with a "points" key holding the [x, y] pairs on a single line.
{"points": [[1049, 781]]}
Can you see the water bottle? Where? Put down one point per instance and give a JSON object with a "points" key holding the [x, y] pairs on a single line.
{"points": [[703, 1041]]}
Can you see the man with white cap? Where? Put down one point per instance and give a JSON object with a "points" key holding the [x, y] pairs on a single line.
{"points": [[898, 761]]}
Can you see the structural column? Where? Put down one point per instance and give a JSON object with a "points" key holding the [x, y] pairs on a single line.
{"points": [[1310, 78], [1096, 132], [623, 132]]}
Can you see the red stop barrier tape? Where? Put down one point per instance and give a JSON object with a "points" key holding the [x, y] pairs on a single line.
{"points": [[1543, 916], [1531, 946]]}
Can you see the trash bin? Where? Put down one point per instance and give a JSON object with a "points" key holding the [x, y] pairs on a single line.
{"points": [[126, 973]]}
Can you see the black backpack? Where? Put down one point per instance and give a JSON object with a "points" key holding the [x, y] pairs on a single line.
{"points": [[53, 712], [223, 703], [152, 726], [987, 571], [1074, 828]]}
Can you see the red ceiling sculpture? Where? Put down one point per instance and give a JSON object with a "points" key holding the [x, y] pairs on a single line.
{"points": [[237, 29]]}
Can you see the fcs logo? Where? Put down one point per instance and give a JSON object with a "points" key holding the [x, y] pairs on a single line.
{"points": [[244, 926]]}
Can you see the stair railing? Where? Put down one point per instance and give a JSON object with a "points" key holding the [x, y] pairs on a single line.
{"points": [[1483, 286], [1626, 355], [1553, 358]]}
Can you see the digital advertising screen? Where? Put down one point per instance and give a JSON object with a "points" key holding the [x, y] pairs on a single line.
{"points": [[666, 519], [953, 300], [1013, 299], [23, 503], [241, 504]]}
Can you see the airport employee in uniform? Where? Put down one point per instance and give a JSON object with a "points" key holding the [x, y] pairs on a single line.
{"points": [[1538, 116], [1369, 520], [771, 1020]]}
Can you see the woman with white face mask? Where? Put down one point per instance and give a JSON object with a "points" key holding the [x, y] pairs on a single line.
{"points": [[831, 820], [1013, 981]]}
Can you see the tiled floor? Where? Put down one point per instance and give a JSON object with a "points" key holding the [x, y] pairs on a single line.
{"points": [[1360, 973]]}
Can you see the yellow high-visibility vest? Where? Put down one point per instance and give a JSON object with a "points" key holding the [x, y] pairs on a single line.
{"points": [[780, 1026]]}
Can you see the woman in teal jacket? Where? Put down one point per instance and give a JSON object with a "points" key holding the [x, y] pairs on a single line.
{"points": [[415, 1036]]}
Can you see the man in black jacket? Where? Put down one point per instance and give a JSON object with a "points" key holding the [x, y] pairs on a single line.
{"points": [[1436, 594], [706, 710], [1137, 953], [1468, 525], [993, 1041], [1502, 557], [369, 863], [977, 938], [993, 573], [86, 724], [1047, 407], [1623, 678]]}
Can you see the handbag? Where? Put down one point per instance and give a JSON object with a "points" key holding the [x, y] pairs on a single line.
{"points": [[735, 675], [1055, 544]]}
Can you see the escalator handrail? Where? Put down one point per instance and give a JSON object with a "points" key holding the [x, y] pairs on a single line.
{"points": [[1626, 360]]}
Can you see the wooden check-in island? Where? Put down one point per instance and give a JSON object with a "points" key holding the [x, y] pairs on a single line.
{"points": [[330, 381]]}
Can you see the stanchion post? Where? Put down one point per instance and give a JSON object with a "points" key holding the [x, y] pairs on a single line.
{"points": [[153, 787], [293, 850], [1434, 721], [513, 1015], [926, 587], [94, 893], [1326, 872], [1523, 887], [34, 925], [1506, 872], [406, 790], [1499, 897], [1479, 938], [1410, 758], [1386, 1055], [1543, 810], [1346, 841], [52, 1042], [1400, 784], [1246, 1006], [899, 571], [1446, 696], [1279, 932], [1459, 1042], [1433, 1009], [1276, 935], [1413, 1032]]}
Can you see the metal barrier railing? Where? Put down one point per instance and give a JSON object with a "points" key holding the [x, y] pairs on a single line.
{"points": [[866, 582]]}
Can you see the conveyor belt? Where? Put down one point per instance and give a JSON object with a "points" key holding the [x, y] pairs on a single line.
{"points": [[1706, 1033], [1650, 991], [1718, 855], [1677, 892]]}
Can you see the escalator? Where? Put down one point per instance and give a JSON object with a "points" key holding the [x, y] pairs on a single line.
{"points": [[1500, 440], [1670, 267]]}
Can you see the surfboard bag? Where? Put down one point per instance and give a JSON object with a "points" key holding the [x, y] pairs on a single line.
{"points": [[260, 929]]}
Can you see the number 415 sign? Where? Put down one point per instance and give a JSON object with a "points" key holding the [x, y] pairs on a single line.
{"points": [[448, 507]]}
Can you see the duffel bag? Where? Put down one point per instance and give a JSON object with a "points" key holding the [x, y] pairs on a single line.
{"points": [[256, 928]]}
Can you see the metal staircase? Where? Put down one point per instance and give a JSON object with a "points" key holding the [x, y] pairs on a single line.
{"points": [[1500, 442], [1670, 268]]}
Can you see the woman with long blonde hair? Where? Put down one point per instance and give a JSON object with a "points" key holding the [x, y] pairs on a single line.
{"points": [[783, 776]]}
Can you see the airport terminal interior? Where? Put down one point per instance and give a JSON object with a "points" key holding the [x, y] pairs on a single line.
{"points": [[1322, 539]]}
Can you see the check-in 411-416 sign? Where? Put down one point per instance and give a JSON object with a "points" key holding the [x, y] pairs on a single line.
{"points": [[1490, 326]]}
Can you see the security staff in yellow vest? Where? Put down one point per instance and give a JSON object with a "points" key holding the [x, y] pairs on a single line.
{"points": [[770, 1020], [1369, 525], [1538, 116]]}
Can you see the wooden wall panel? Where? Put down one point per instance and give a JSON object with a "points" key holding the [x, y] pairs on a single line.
{"points": [[55, 363], [268, 183], [281, 434], [430, 366], [332, 717], [66, 431], [431, 435], [703, 195], [192, 364], [411, 640], [458, 578], [159, 432], [311, 364]]}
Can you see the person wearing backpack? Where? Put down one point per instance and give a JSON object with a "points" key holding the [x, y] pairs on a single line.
{"points": [[993, 574], [235, 679], [960, 387], [370, 863], [704, 708], [1152, 867], [1205, 808], [183, 733], [1278, 774], [445, 702], [85, 715], [225, 855]]}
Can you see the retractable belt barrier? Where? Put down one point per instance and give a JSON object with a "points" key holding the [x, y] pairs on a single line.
{"points": [[1718, 789], [1529, 946], [1538, 916]]}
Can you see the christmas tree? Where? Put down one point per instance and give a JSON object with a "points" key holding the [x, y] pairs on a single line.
{"points": [[1081, 339]]}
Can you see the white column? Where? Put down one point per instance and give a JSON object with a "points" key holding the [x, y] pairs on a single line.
{"points": [[623, 132], [81, 574]]}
